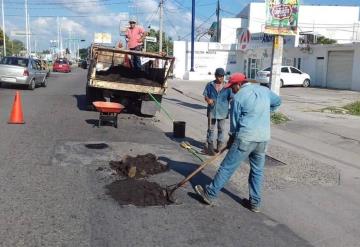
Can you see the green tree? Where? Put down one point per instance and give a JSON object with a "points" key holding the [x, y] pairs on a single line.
{"points": [[13, 47], [325, 41], [83, 52], [154, 47]]}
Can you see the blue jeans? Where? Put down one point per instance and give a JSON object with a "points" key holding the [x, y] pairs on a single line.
{"points": [[136, 62], [211, 130], [239, 151]]}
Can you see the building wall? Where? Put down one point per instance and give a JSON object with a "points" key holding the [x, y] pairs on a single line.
{"points": [[228, 30], [208, 57]]}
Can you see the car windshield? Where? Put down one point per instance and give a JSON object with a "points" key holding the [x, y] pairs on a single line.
{"points": [[61, 62], [267, 69], [16, 61]]}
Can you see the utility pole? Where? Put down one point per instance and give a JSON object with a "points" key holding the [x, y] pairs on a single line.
{"points": [[3, 26], [276, 63], [218, 21], [161, 25], [192, 35], [26, 28]]}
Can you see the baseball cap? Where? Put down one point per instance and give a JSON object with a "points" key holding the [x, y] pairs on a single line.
{"points": [[132, 19], [220, 71], [236, 78]]}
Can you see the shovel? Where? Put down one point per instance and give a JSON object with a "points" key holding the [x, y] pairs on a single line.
{"points": [[171, 188]]}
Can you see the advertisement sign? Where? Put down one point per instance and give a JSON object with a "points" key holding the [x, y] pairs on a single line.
{"points": [[102, 38], [250, 41], [244, 40], [282, 17]]}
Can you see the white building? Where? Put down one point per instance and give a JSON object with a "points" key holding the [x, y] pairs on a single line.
{"points": [[334, 66]]}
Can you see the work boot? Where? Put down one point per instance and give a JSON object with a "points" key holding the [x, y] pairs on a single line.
{"points": [[200, 191], [210, 149], [220, 146]]}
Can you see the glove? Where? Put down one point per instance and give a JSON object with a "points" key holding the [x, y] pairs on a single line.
{"points": [[230, 141]]}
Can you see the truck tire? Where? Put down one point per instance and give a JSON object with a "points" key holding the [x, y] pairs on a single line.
{"points": [[93, 94]]}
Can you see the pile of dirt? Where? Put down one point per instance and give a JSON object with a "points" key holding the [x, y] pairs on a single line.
{"points": [[137, 192], [138, 167], [127, 75]]}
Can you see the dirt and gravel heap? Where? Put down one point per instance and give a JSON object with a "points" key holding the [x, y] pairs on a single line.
{"points": [[140, 166], [135, 189], [138, 192]]}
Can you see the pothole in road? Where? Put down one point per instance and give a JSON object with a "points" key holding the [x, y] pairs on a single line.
{"points": [[138, 192], [138, 167], [96, 145]]}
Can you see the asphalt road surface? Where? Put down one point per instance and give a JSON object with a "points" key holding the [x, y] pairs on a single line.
{"points": [[52, 194]]}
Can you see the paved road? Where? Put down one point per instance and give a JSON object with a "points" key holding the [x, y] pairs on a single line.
{"points": [[317, 193], [51, 193]]}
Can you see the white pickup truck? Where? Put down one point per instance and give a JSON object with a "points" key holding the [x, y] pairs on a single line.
{"points": [[23, 71]]}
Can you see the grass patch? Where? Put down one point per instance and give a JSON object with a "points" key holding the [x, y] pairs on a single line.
{"points": [[353, 108], [335, 110], [279, 118]]}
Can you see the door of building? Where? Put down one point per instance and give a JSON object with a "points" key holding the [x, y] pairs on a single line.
{"points": [[319, 73], [339, 70], [253, 67]]}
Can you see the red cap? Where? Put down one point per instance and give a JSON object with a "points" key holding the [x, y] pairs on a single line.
{"points": [[236, 78]]}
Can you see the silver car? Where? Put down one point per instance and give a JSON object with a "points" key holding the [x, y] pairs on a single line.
{"points": [[20, 70]]}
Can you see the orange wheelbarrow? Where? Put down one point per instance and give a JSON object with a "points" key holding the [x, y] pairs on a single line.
{"points": [[108, 111]]}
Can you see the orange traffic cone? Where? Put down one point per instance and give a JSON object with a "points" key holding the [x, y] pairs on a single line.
{"points": [[16, 116]]}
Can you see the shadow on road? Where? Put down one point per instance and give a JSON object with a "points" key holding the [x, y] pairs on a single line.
{"points": [[13, 86], [185, 169], [82, 102], [190, 140], [190, 105]]}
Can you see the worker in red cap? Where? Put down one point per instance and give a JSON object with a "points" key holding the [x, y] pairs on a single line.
{"points": [[249, 136]]}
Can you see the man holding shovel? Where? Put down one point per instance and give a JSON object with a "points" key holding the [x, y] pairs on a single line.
{"points": [[217, 97], [249, 135]]}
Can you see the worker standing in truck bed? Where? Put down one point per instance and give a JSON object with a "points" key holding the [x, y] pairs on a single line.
{"points": [[135, 36]]}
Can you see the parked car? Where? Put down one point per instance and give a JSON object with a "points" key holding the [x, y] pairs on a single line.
{"points": [[84, 64], [61, 65], [289, 76], [20, 70]]}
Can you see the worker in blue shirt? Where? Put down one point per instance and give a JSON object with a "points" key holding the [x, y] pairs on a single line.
{"points": [[217, 97], [249, 136]]}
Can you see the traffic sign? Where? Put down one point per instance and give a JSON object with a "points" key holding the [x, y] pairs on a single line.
{"points": [[151, 39]]}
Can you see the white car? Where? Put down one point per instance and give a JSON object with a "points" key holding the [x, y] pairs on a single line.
{"points": [[289, 76]]}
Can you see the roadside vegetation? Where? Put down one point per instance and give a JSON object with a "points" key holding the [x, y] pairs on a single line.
{"points": [[352, 109], [279, 118]]}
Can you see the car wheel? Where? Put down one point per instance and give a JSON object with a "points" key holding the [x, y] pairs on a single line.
{"points": [[281, 83], [32, 85], [44, 83], [306, 83]]}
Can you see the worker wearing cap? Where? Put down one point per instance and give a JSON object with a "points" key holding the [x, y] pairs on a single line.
{"points": [[249, 135], [218, 98], [135, 36]]}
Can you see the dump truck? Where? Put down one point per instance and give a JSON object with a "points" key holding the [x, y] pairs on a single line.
{"points": [[112, 77]]}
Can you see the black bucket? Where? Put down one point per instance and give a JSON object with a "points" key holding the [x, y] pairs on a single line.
{"points": [[179, 129]]}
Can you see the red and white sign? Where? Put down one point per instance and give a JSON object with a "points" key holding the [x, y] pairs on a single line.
{"points": [[244, 39]]}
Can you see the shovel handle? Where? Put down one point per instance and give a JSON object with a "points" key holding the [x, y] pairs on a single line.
{"points": [[201, 167]]}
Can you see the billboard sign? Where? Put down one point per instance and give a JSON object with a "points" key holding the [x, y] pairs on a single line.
{"points": [[259, 40], [282, 17]]}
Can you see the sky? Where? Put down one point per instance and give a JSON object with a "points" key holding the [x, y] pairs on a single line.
{"points": [[80, 19]]}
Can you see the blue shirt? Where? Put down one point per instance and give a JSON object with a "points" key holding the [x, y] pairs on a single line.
{"points": [[220, 108], [250, 112]]}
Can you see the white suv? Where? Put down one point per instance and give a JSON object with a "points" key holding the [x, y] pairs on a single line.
{"points": [[289, 76]]}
